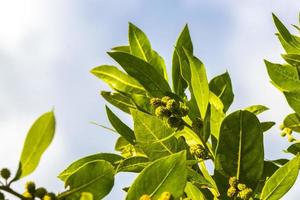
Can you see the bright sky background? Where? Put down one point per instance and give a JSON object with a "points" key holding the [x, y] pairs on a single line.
{"points": [[48, 47]]}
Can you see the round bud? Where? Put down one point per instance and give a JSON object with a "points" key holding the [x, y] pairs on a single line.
{"points": [[199, 151], [40, 192], [156, 102], [175, 122], [172, 106], [5, 173], [52, 195], [283, 134], [233, 181], [27, 194], [288, 131], [162, 112], [145, 197], [231, 192], [184, 109], [245, 194], [2, 197], [47, 197], [281, 127], [30, 187], [241, 186], [165, 196], [165, 99], [291, 138]]}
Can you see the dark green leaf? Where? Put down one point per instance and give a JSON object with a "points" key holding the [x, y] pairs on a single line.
{"points": [[293, 99], [281, 181], [142, 102], [117, 79], [294, 148], [120, 127], [124, 48], [111, 158], [95, 177], [161, 176], [221, 86], [292, 121], [120, 101], [38, 138], [142, 71], [265, 126], [183, 41]]}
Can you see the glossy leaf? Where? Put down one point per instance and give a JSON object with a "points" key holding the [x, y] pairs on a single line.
{"points": [[38, 138], [281, 181], [265, 126], [292, 121], [118, 80], [199, 83], [120, 101], [143, 72], [284, 76], [294, 148], [216, 114], [193, 192], [123, 48], [142, 102], [257, 109], [120, 127], [109, 157], [140, 47], [240, 150], [183, 41], [163, 174], [96, 178], [293, 99], [153, 135], [221, 86], [133, 164]]}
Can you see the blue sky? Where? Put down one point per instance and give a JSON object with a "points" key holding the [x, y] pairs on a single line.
{"points": [[48, 47]]}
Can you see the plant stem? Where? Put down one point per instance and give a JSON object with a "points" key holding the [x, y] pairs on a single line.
{"points": [[11, 191]]}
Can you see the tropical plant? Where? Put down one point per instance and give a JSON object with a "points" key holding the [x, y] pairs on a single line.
{"points": [[177, 131]]}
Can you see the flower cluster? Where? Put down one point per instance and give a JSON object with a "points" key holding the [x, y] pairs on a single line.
{"points": [[199, 151], [238, 189], [170, 109], [287, 132], [32, 192]]}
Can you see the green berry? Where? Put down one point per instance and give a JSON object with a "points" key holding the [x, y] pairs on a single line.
{"points": [[156, 102], [50, 196], [5, 173], [241, 186], [165, 196], [165, 99], [175, 122], [162, 112], [245, 194], [30, 187], [172, 106], [231, 192], [2, 197], [233, 181], [145, 197], [283, 134], [40, 192]]}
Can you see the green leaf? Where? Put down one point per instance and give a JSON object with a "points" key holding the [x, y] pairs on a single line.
{"points": [[293, 99], [240, 151], [221, 86], [294, 148], [120, 101], [199, 83], [120, 127], [86, 196], [293, 59], [124, 48], [142, 102], [281, 181], [292, 121], [133, 164], [143, 72], [216, 115], [284, 76], [38, 138], [95, 177], [287, 47], [257, 109], [153, 135], [179, 59], [161, 176], [193, 192], [117, 79], [269, 169], [109, 157], [140, 47], [265, 126]]}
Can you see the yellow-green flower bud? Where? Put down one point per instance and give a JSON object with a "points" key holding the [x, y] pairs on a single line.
{"points": [[5, 173], [165, 99], [288, 131], [175, 122], [283, 134], [291, 138], [50, 196], [184, 109], [233, 181], [156, 102], [199, 151], [162, 112], [281, 127], [231, 192], [30, 187], [172, 106], [145, 197], [27, 194], [40, 192], [245, 194], [165, 196], [241, 186]]}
